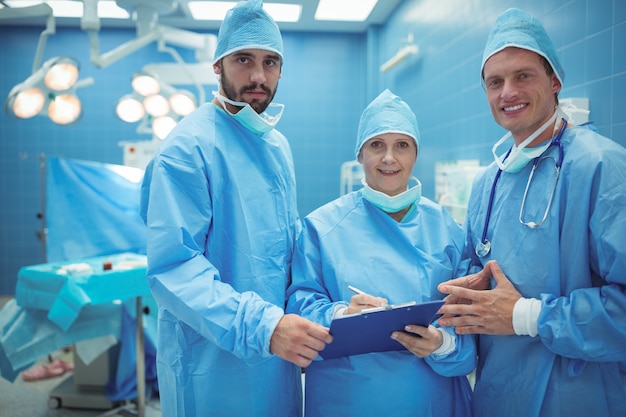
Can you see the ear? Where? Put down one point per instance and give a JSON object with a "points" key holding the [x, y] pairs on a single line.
{"points": [[359, 158], [217, 67], [556, 84]]}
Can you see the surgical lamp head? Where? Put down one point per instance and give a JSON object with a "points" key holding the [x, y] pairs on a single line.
{"points": [[516, 28], [156, 103], [248, 26], [48, 91], [387, 113]]}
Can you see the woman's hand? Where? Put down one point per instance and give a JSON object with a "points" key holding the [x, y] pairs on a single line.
{"points": [[420, 341], [360, 302]]}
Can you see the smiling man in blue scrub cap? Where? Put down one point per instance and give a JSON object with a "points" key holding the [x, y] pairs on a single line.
{"points": [[395, 245], [219, 201], [550, 301]]}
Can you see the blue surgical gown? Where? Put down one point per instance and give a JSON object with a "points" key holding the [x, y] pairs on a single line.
{"points": [[351, 242], [575, 263], [220, 207]]}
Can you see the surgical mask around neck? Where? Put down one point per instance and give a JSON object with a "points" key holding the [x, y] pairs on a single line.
{"points": [[392, 204], [259, 124], [519, 156]]}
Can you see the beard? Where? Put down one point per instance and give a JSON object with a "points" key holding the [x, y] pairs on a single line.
{"points": [[231, 93]]}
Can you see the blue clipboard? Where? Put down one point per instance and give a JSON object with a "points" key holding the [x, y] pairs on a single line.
{"points": [[370, 330]]}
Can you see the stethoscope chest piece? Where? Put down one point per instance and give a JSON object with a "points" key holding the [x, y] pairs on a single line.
{"points": [[483, 248]]}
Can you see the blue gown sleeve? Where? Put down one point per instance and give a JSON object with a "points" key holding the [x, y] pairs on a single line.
{"points": [[308, 295], [461, 361], [183, 281], [589, 323]]}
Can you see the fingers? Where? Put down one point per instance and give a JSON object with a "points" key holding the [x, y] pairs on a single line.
{"points": [[478, 281], [459, 294], [320, 333], [470, 330], [461, 314], [298, 340], [300, 360], [360, 302], [318, 337], [419, 340], [477, 311], [420, 331], [457, 282], [462, 298], [497, 273], [368, 301], [314, 336]]}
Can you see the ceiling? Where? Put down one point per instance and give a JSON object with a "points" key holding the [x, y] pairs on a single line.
{"points": [[181, 18]]}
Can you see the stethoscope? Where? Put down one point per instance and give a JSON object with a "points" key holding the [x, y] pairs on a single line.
{"points": [[484, 246]]}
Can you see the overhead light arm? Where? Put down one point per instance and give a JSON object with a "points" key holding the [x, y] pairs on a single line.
{"points": [[182, 65], [108, 58], [39, 10], [203, 44]]}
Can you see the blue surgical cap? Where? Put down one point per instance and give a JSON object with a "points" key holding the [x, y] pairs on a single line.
{"points": [[386, 114], [248, 26], [516, 28]]}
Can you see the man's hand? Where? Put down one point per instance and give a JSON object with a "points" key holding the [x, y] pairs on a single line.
{"points": [[420, 341], [471, 308], [298, 340]]}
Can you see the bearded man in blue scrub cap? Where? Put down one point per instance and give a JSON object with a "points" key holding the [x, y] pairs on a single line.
{"points": [[550, 301], [396, 246], [219, 201]]}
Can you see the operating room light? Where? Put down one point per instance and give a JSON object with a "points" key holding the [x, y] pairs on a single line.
{"points": [[62, 75], [156, 103], [28, 103], [182, 103], [48, 91], [145, 84], [162, 126], [64, 109], [130, 109]]}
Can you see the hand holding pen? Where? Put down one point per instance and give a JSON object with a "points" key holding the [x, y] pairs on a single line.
{"points": [[362, 301]]}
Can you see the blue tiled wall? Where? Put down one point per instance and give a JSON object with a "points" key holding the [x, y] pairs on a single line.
{"points": [[323, 91], [327, 80], [442, 83], [322, 88]]}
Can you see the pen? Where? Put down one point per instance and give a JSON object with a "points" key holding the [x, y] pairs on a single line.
{"points": [[356, 290], [384, 306]]}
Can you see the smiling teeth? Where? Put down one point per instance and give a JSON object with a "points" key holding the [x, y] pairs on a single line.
{"points": [[519, 106]]}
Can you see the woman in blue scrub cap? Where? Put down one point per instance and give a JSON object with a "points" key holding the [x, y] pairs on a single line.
{"points": [[396, 246]]}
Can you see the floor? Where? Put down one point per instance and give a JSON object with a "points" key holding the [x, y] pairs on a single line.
{"points": [[32, 399]]}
